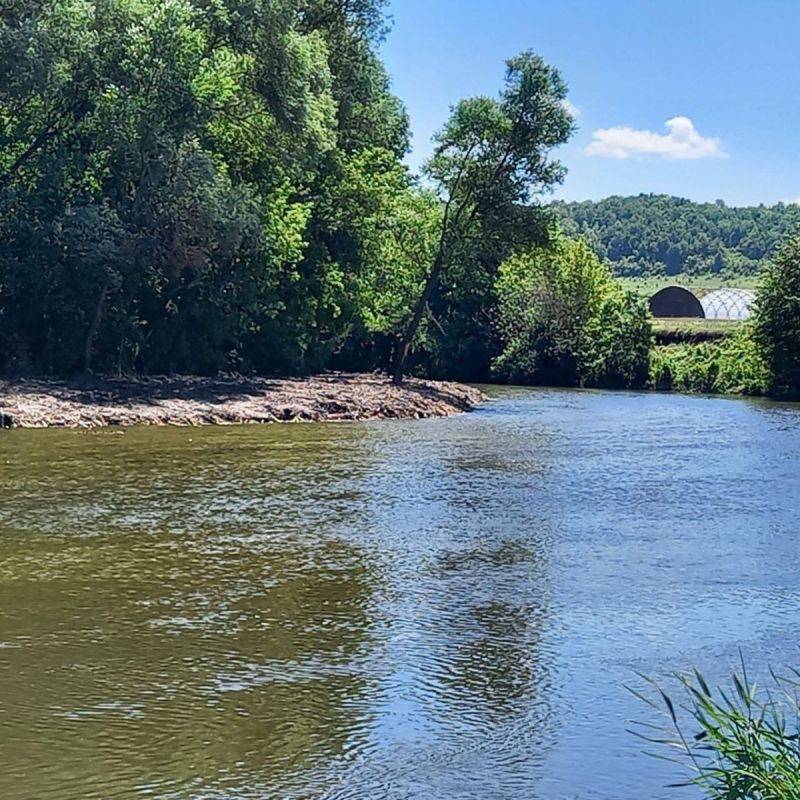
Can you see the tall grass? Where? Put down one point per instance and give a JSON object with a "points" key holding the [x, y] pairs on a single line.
{"points": [[742, 743], [733, 365]]}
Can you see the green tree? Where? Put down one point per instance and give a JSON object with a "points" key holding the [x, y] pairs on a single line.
{"points": [[565, 321], [171, 181], [662, 235], [777, 321], [492, 159]]}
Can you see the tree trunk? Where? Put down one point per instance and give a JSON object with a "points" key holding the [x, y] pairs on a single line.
{"points": [[94, 327], [401, 355], [35, 145]]}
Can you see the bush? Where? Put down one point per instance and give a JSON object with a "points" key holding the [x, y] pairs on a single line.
{"points": [[777, 321], [731, 366], [564, 320], [746, 745]]}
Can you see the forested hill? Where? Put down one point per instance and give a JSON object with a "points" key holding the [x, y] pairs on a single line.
{"points": [[662, 235]]}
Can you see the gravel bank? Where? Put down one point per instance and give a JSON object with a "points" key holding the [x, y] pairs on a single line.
{"points": [[184, 400]]}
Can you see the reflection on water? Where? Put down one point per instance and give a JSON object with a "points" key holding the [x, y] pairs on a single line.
{"points": [[444, 608]]}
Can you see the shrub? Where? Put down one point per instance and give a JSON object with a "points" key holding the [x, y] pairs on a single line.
{"points": [[733, 365], [564, 320]]}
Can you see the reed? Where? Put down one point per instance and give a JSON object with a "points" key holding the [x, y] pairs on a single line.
{"points": [[740, 743]]}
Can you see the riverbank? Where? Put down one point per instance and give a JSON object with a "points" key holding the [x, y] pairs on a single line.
{"points": [[185, 400]]}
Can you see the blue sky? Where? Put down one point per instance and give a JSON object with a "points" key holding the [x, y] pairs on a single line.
{"points": [[725, 75]]}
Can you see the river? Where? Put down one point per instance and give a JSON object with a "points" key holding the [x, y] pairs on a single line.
{"points": [[438, 609]]}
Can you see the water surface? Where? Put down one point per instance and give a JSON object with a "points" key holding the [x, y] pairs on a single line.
{"points": [[430, 609]]}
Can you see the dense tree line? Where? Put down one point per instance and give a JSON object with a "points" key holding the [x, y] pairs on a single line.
{"points": [[199, 184], [662, 235], [206, 185]]}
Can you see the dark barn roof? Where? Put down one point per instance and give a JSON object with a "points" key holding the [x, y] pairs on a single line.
{"points": [[675, 301]]}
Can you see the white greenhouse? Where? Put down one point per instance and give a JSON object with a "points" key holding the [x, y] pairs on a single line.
{"points": [[728, 303]]}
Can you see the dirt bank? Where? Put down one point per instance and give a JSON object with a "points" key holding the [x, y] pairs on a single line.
{"points": [[182, 400]]}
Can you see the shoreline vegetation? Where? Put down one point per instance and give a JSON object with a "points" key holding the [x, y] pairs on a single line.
{"points": [[225, 193], [222, 189], [100, 401], [97, 401]]}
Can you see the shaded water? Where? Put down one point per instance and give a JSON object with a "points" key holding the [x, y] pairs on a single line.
{"points": [[433, 609]]}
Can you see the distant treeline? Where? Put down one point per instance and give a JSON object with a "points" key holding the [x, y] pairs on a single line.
{"points": [[661, 235]]}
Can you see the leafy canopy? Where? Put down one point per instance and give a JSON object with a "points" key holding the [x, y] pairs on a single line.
{"points": [[563, 320], [651, 235], [170, 176], [777, 321], [491, 163]]}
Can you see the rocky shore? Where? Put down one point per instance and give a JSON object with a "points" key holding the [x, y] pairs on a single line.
{"points": [[184, 400]]}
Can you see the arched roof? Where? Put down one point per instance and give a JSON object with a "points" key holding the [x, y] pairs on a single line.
{"points": [[728, 303], [675, 301]]}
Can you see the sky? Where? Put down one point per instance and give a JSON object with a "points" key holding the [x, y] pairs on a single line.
{"points": [[696, 99]]}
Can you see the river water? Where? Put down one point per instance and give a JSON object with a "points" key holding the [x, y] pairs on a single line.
{"points": [[438, 609]]}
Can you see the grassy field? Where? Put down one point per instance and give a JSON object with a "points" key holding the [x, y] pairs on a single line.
{"points": [[647, 287], [679, 329]]}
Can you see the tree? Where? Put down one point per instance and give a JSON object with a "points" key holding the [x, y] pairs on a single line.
{"points": [[565, 321], [491, 157], [182, 184], [661, 235], [776, 322]]}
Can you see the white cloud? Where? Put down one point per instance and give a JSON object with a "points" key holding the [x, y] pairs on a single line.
{"points": [[682, 141], [795, 202], [571, 108]]}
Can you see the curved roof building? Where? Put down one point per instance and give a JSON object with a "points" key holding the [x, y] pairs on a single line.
{"points": [[675, 301], [728, 303]]}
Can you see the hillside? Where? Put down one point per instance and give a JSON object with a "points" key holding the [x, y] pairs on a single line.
{"points": [[651, 235]]}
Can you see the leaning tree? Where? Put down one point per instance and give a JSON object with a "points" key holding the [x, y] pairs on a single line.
{"points": [[492, 160]]}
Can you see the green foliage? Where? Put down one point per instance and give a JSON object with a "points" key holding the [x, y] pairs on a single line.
{"points": [[660, 235], [492, 161], [564, 320], [744, 742], [777, 321], [757, 358], [734, 365], [217, 185], [197, 186]]}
